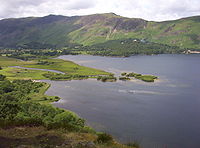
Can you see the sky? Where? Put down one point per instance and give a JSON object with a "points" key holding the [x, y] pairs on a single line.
{"points": [[154, 10]]}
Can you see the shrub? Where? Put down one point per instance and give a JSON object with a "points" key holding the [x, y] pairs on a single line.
{"points": [[68, 120], [2, 77], [132, 74], [123, 74], [107, 78], [104, 138], [56, 99], [124, 78], [134, 144], [44, 98]]}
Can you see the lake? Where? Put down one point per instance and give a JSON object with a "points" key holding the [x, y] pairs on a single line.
{"points": [[164, 114]]}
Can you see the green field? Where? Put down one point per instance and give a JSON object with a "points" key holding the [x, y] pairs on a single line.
{"points": [[18, 73], [5, 61], [67, 67]]}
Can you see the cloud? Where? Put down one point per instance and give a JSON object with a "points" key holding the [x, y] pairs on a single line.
{"points": [[147, 9], [80, 4], [14, 8]]}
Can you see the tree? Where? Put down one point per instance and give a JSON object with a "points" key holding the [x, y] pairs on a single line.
{"points": [[69, 120], [2, 77]]}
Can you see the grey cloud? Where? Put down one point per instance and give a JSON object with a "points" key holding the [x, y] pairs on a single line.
{"points": [[13, 8], [156, 10]]}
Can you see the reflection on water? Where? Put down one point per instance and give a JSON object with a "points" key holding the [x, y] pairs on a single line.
{"points": [[161, 114]]}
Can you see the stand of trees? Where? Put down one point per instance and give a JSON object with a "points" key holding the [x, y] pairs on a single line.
{"points": [[121, 47], [16, 108]]}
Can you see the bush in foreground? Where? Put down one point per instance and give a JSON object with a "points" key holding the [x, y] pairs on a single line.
{"points": [[104, 138]]}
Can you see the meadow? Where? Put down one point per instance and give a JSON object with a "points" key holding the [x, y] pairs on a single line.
{"points": [[67, 67], [71, 70]]}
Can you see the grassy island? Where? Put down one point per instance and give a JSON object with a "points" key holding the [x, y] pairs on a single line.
{"points": [[145, 78]]}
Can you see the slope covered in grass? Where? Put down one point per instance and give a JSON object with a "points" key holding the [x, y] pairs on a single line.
{"points": [[62, 31]]}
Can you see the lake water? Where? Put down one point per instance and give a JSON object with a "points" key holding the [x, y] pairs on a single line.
{"points": [[164, 114]]}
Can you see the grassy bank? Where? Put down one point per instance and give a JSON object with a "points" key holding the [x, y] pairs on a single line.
{"points": [[40, 97], [71, 70]]}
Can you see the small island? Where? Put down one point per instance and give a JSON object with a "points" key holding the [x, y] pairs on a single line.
{"points": [[145, 78], [109, 78], [124, 78]]}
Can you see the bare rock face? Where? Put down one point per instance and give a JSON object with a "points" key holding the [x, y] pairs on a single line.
{"points": [[126, 24]]}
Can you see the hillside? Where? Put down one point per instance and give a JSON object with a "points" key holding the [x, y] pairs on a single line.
{"points": [[60, 31]]}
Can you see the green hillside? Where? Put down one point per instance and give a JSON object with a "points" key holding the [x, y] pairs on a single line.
{"points": [[61, 31]]}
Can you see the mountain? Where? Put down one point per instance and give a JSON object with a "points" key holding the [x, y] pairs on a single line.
{"points": [[59, 31]]}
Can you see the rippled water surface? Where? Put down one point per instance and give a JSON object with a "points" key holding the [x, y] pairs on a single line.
{"points": [[157, 115]]}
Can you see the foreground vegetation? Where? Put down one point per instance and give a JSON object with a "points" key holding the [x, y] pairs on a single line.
{"points": [[40, 137], [36, 123]]}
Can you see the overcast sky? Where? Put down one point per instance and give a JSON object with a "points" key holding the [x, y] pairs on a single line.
{"points": [[157, 10]]}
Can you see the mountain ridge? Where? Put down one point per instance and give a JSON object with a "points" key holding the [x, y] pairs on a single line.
{"points": [[57, 31]]}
